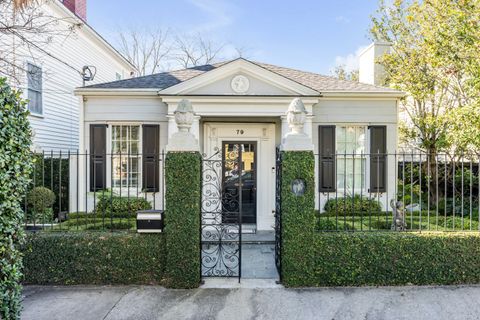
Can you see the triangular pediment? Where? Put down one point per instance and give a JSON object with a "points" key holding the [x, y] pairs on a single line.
{"points": [[240, 77]]}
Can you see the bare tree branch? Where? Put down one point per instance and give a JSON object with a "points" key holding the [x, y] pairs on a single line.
{"points": [[147, 50], [26, 30], [191, 51]]}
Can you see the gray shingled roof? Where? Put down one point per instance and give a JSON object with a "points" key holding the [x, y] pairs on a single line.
{"points": [[314, 81]]}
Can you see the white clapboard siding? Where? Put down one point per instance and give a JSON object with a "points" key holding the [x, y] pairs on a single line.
{"points": [[58, 127], [369, 111]]}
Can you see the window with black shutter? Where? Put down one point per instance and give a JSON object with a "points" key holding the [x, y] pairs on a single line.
{"points": [[378, 158], [150, 165], [326, 148], [98, 157]]}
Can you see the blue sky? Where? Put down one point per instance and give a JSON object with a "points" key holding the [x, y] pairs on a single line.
{"points": [[304, 34]]}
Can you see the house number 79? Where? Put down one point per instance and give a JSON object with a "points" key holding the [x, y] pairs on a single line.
{"points": [[240, 131]]}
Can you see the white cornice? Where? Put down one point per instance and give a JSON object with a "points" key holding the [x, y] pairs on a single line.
{"points": [[239, 99], [363, 94]]}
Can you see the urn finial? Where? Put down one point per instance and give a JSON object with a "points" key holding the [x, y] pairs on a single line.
{"points": [[184, 115], [296, 116]]}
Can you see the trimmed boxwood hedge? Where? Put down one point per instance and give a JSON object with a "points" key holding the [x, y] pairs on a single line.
{"points": [[93, 258], [298, 217], [182, 218], [389, 258]]}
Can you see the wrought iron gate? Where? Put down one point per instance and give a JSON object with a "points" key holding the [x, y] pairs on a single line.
{"points": [[221, 215], [278, 216]]}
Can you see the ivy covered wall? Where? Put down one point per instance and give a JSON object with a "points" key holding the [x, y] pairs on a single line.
{"points": [[298, 217], [182, 218]]}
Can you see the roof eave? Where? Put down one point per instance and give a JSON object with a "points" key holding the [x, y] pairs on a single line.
{"points": [[115, 92], [363, 94]]}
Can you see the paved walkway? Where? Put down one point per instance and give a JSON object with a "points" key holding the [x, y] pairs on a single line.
{"points": [[251, 303]]}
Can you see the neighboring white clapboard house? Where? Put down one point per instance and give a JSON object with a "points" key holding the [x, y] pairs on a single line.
{"points": [[52, 72], [238, 102]]}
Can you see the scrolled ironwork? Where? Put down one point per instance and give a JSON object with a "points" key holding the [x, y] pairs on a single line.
{"points": [[220, 228]]}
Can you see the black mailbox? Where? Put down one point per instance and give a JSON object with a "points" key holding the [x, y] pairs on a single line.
{"points": [[150, 221]]}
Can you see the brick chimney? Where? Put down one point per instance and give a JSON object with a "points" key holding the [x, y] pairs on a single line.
{"points": [[78, 7]]}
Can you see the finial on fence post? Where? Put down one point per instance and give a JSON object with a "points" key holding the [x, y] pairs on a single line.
{"points": [[296, 139], [183, 140]]}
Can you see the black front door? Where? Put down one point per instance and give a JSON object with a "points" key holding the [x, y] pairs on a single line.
{"points": [[239, 200]]}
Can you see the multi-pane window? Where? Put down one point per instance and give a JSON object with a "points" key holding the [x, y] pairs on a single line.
{"points": [[34, 88], [351, 158], [125, 156]]}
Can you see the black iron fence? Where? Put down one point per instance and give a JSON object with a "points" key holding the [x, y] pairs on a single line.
{"points": [[85, 192], [413, 191]]}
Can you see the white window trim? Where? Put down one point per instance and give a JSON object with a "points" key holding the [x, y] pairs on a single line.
{"points": [[366, 183], [40, 66], [124, 190]]}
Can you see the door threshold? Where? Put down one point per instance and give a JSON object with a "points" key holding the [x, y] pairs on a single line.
{"points": [[246, 229]]}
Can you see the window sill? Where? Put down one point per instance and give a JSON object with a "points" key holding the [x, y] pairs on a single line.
{"points": [[36, 115]]}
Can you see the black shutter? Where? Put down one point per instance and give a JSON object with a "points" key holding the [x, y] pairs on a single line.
{"points": [[326, 148], [150, 164], [98, 157], [378, 158]]}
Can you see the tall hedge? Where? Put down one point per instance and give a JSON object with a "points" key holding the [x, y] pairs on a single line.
{"points": [[94, 258], [182, 218], [298, 215], [15, 169], [390, 258]]}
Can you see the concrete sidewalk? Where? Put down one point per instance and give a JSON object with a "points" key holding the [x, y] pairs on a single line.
{"points": [[251, 303]]}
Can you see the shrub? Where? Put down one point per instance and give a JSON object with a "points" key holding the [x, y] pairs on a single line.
{"points": [[389, 258], [93, 258], [15, 168], [455, 207], [108, 225], [182, 219], [40, 201], [53, 172], [120, 207], [352, 205]]}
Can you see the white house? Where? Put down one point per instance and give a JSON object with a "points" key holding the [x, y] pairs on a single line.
{"points": [[52, 72], [239, 106]]}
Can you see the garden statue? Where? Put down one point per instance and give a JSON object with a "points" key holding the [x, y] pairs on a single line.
{"points": [[398, 211]]}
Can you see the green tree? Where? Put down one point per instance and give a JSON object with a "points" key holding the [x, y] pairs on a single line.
{"points": [[342, 73], [15, 169], [434, 59]]}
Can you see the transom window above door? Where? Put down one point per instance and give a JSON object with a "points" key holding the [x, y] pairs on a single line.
{"points": [[125, 156]]}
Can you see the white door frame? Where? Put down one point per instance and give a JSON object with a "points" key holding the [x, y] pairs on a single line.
{"points": [[263, 134]]}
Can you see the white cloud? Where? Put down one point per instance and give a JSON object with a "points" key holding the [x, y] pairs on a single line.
{"points": [[219, 14], [350, 61], [342, 19]]}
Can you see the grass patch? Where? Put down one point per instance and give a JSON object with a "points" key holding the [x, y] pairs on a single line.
{"points": [[383, 221]]}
